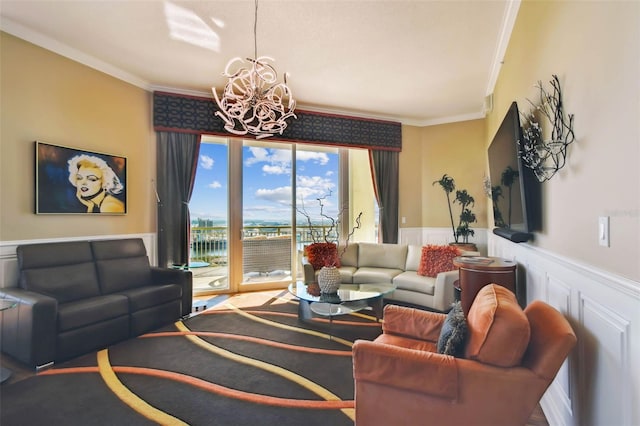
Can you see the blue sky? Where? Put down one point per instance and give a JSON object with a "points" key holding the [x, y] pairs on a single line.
{"points": [[267, 183]]}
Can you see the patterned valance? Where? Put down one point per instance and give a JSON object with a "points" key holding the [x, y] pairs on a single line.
{"points": [[192, 114]]}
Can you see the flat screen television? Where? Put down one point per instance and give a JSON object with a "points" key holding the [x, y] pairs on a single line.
{"points": [[515, 191]]}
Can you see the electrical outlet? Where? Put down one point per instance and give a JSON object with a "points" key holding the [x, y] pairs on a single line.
{"points": [[603, 231]]}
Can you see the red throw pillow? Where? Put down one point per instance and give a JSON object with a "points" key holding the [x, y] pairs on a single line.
{"points": [[436, 259], [322, 254]]}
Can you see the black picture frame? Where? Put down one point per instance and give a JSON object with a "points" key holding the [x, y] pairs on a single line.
{"points": [[77, 181]]}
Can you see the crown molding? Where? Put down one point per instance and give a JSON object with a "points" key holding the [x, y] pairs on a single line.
{"points": [[90, 61], [508, 21], [76, 55]]}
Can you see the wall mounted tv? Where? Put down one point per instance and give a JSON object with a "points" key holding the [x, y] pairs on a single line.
{"points": [[515, 191]]}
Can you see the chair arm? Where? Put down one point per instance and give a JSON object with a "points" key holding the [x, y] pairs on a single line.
{"points": [[414, 323], [176, 276], [29, 330], [309, 272], [417, 371], [443, 294]]}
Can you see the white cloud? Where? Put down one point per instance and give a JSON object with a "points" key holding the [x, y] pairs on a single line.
{"points": [[275, 170], [278, 160], [206, 162], [317, 157], [215, 184], [329, 173], [281, 195], [259, 155]]}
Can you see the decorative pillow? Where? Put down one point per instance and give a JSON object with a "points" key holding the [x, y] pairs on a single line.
{"points": [[498, 328], [453, 332], [436, 259], [322, 254]]}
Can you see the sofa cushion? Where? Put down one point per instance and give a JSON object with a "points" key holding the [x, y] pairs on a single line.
{"points": [[117, 275], [64, 283], [453, 332], [152, 295], [92, 310], [436, 259], [118, 249], [391, 256], [498, 329], [414, 254], [406, 342], [375, 275], [349, 255], [410, 280], [53, 254]]}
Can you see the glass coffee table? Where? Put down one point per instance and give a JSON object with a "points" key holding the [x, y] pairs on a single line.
{"points": [[348, 299]]}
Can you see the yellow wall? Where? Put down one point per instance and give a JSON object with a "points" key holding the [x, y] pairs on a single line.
{"points": [[49, 98], [457, 149], [594, 48]]}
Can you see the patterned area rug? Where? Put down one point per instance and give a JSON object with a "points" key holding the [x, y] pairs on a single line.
{"points": [[246, 361]]}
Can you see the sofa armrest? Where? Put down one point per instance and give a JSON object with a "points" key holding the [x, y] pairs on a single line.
{"points": [[29, 330], [176, 276], [413, 323], [413, 370], [309, 272], [443, 294]]}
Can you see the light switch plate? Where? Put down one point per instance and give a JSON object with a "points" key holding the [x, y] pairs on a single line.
{"points": [[603, 231]]}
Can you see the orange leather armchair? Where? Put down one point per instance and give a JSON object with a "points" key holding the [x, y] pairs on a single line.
{"points": [[511, 357]]}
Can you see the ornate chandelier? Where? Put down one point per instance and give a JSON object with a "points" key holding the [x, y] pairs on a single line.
{"points": [[252, 101]]}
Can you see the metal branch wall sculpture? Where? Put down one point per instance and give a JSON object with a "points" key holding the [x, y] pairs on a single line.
{"points": [[546, 156]]}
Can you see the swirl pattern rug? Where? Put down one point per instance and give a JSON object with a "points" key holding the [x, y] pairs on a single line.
{"points": [[248, 360]]}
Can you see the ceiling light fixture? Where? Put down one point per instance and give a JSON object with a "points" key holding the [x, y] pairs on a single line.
{"points": [[252, 101]]}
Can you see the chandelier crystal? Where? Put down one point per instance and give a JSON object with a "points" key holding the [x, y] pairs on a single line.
{"points": [[252, 100]]}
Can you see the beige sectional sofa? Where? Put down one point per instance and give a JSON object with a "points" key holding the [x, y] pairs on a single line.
{"points": [[398, 264]]}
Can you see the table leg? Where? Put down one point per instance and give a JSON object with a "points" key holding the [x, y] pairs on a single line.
{"points": [[377, 306], [304, 310]]}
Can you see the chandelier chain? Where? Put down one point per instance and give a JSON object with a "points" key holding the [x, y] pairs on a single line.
{"points": [[255, 31]]}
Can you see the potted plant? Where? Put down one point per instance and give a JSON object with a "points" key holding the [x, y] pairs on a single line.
{"points": [[324, 252], [462, 232]]}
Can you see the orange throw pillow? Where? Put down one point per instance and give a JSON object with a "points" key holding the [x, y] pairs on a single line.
{"points": [[436, 259]]}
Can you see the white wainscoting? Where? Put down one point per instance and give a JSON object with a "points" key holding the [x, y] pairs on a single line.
{"points": [[599, 384], [9, 262]]}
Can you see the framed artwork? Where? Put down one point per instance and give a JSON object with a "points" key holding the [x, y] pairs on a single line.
{"points": [[70, 180]]}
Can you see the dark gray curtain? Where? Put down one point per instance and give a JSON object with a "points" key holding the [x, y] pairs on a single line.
{"points": [[177, 160], [384, 168]]}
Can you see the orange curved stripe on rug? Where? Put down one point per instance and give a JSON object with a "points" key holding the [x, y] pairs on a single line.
{"points": [[212, 388], [234, 393], [68, 370], [257, 340], [288, 315]]}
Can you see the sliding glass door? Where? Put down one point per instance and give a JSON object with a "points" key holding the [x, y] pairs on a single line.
{"points": [[255, 203], [267, 226], [208, 208]]}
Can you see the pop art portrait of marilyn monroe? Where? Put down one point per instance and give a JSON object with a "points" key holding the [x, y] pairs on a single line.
{"points": [[74, 181]]}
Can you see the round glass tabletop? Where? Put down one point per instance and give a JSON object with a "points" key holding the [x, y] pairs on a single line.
{"points": [[346, 292]]}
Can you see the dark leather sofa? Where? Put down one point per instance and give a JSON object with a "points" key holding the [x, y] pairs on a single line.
{"points": [[77, 297]]}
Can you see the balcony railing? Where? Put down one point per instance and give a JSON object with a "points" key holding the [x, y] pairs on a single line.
{"points": [[209, 243]]}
